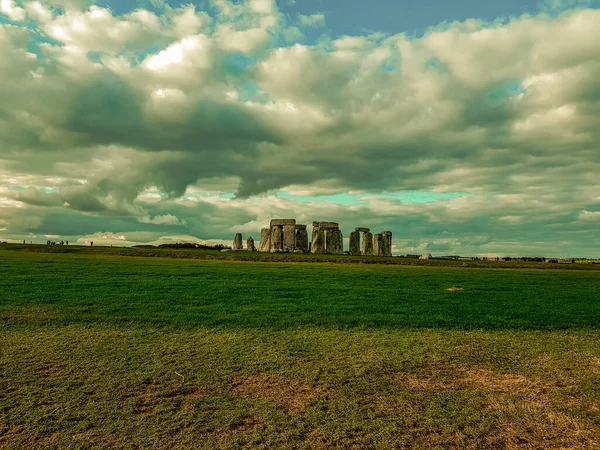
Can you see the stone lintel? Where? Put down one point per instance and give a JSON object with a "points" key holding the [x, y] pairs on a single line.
{"points": [[362, 230], [282, 222], [332, 225]]}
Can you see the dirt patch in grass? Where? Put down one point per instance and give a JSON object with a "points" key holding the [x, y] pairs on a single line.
{"points": [[455, 289], [245, 425], [293, 395], [150, 396]]}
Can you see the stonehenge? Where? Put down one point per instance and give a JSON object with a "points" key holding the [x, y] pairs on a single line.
{"points": [[276, 238], [354, 243], [367, 243], [237, 242], [377, 245], [382, 244], [318, 241], [327, 238], [285, 235], [387, 243], [334, 242], [265, 240], [302, 238], [355, 246]]}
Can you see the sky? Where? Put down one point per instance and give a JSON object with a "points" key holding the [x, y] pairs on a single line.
{"points": [[463, 127]]}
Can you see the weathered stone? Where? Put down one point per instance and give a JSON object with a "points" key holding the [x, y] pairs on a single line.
{"points": [[265, 240], [289, 238], [335, 242], [318, 241], [300, 227], [237, 242], [362, 230], [387, 243], [367, 244], [250, 244], [354, 245], [378, 245], [324, 225], [282, 222], [302, 240], [276, 238]]}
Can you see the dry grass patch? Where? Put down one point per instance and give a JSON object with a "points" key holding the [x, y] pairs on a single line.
{"points": [[529, 412], [534, 413], [488, 379], [420, 383], [293, 395], [28, 313]]}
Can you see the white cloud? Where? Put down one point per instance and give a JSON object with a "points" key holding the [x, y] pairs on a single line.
{"points": [[166, 219], [592, 216], [14, 12], [313, 20]]}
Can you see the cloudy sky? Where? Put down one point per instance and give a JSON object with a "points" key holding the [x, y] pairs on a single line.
{"points": [[468, 129]]}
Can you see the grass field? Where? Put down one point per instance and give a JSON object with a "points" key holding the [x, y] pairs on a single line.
{"points": [[185, 350]]}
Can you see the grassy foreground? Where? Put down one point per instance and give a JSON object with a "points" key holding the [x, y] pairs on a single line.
{"points": [[100, 350]]}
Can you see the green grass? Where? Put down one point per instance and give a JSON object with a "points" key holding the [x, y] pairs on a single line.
{"points": [[102, 350]]}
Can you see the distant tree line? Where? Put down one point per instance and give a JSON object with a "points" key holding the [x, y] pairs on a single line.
{"points": [[187, 245]]}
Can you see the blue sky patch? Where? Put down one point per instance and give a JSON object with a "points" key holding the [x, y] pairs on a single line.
{"points": [[437, 66], [388, 67], [238, 62], [356, 199], [506, 90]]}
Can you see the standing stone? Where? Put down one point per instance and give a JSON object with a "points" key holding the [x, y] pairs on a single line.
{"points": [[318, 241], [378, 245], [387, 243], [302, 238], [354, 245], [289, 238], [329, 241], [335, 242], [237, 242], [250, 244], [367, 244], [265, 240], [276, 238]]}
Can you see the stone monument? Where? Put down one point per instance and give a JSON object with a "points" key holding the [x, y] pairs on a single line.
{"points": [[237, 242], [265, 240], [302, 238]]}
